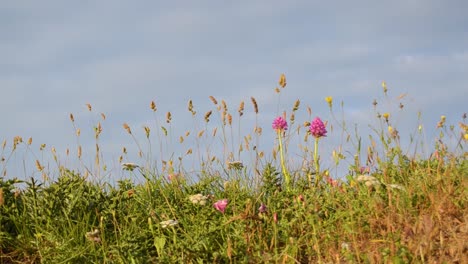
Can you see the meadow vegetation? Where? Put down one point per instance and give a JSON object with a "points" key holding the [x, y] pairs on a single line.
{"points": [[247, 203]]}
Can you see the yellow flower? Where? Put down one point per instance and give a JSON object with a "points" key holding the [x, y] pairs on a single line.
{"points": [[329, 100], [390, 129], [386, 115], [466, 136], [384, 86]]}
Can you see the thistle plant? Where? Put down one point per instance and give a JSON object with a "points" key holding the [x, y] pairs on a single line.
{"points": [[280, 125]]}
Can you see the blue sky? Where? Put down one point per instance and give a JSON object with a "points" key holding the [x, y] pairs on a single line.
{"points": [[56, 56]]}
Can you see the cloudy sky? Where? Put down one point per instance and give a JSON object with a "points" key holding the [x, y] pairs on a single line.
{"points": [[118, 56]]}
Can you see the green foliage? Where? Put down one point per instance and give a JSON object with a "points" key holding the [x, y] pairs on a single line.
{"points": [[397, 208]]}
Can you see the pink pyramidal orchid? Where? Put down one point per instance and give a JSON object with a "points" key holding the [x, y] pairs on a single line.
{"points": [[317, 128], [280, 124]]}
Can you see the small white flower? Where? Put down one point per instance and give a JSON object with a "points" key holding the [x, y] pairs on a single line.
{"points": [[364, 178], [198, 199], [168, 223], [368, 180], [345, 246]]}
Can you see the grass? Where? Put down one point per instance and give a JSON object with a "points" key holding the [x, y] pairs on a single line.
{"points": [[390, 207]]}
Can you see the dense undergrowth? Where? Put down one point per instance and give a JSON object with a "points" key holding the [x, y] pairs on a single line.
{"points": [[391, 208]]}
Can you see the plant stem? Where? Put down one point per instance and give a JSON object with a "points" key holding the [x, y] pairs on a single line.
{"points": [[287, 177], [316, 162]]}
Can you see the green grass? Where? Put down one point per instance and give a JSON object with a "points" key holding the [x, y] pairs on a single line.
{"points": [[409, 209]]}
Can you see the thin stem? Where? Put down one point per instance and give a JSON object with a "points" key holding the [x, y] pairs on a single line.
{"points": [[316, 161], [287, 177]]}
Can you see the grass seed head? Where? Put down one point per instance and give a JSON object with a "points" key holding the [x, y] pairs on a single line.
{"points": [[153, 106], [282, 80], [241, 108], [168, 117], [207, 116], [127, 127], [255, 105], [213, 100]]}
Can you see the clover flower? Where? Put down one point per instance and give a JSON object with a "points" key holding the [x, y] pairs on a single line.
{"points": [[280, 124], [221, 205], [317, 128], [262, 209], [198, 199]]}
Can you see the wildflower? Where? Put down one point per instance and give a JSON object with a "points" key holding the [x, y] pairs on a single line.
{"points": [[465, 136], [384, 86], [280, 124], [332, 182], [173, 177], [221, 205], [368, 180], [168, 223], [198, 199], [93, 236], [329, 100], [345, 246], [386, 116], [317, 128], [262, 209], [364, 169], [393, 132], [441, 123], [129, 166]]}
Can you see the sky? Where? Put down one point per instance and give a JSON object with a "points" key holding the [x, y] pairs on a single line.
{"points": [[118, 56]]}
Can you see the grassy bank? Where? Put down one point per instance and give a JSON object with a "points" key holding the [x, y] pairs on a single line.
{"points": [[390, 207]]}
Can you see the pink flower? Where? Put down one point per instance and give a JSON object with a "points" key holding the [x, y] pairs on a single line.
{"points": [[332, 182], [280, 124], [317, 128], [262, 209], [364, 169], [221, 205]]}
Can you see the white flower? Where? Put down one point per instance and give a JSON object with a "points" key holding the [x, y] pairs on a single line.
{"points": [[168, 223], [368, 180], [345, 246], [198, 199]]}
